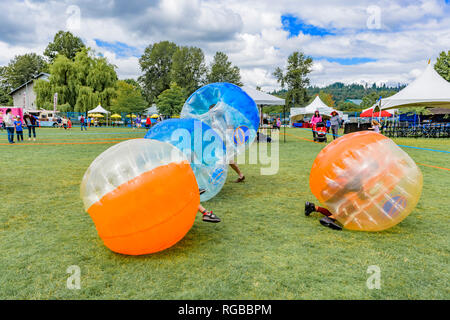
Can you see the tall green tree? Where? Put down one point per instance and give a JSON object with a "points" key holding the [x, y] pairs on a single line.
{"points": [[170, 101], [188, 68], [129, 99], [156, 63], [5, 98], [81, 83], [222, 70], [442, 65], [295, 78], [64, 43], [23, 68]]}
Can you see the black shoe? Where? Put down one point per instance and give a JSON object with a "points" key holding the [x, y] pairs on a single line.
{"points": [[210, 217], [330, 223], [309, 207], [201, 191]]}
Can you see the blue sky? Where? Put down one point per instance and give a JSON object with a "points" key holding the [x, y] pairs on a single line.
{"points": [[295, 25], [257, 36], [122, 50]]}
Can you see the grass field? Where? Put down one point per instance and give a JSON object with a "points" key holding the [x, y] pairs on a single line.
{"points": [[265, 248]]}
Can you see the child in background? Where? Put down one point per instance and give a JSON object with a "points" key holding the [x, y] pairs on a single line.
{"points": [[69, 124], [19, 129], [375, 126]]}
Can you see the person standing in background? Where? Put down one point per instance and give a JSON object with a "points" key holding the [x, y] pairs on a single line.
{"points": [[19, 129], [316, 118], [83, 123], [8, 120], [335, 123], [31, 122]]}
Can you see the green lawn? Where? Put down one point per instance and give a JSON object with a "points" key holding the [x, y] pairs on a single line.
{"points": [[265, 248]]}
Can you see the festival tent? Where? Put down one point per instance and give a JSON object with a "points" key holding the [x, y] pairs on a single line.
{"points": [[317, 104], [296, 114], [99, 109], [151, 110], [428, 90], [262, 98]]}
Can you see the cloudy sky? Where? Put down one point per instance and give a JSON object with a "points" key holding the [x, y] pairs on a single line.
{"points": [[387, 41]]}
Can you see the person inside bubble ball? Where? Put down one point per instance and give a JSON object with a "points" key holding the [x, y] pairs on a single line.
{"points": [[327, 221], [208, 216], [220, 116], [350, 188]]}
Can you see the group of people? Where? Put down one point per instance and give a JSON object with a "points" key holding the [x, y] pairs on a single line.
{"points": [[147, 122], [334, 123], [13, 124], [65, 123]]}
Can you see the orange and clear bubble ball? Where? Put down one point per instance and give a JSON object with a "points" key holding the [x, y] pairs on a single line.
{"points": [[142, 196], [366, 181]]}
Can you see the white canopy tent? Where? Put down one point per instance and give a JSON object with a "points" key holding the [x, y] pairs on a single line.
{"points": [[151, 110], [99, 109], [262, 98], [428, 90], [316, 105]]}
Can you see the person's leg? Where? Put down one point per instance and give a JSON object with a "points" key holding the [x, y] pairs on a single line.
{"points": [[208, 216], [10, 134], [34, 132], [29, 132], [234, 166], [311, 207], [334, 129], [327, 221], [323, 211]]}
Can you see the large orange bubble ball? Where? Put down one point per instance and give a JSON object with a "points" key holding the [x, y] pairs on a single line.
{"points": [[142, 196], [366, 181]]}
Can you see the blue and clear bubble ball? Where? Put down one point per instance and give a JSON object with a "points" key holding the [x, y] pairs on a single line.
{"points": [[227, 109], [203, 147]]}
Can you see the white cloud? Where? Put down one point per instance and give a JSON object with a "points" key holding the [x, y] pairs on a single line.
{"points": [[250, 32]]}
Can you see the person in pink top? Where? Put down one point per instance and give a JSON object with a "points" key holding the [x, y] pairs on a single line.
{"points": [[316, 118]]}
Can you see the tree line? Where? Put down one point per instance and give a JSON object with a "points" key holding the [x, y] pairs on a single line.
{"points": [[83, 79], [169, 74]]}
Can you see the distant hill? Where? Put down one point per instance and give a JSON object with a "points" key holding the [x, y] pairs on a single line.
{"points": [[342, 92], [348, 97]]}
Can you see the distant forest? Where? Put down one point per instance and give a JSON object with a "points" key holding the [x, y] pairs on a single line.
{"points": [[336, 95]]}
